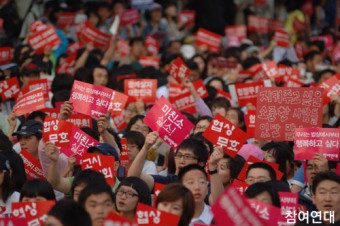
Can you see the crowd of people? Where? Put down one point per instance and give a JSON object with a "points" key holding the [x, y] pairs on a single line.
{"points": [[197, 173]]}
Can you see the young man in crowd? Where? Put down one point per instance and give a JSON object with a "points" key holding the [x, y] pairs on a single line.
{"points": [[260, 172]]}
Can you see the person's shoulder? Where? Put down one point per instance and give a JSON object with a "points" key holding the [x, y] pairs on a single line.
{"points": [[170, 178]]}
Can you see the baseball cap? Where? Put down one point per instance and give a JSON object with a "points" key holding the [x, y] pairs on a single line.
{"points": [[105, 149], [29, 69], [29, 128]]}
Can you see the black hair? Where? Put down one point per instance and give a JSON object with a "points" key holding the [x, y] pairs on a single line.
{"points": [[5, 143], [220, 80], [87, 176], [192, 65], [221, 102], [134, 137], [197, 147], [233, 52], [264, 166], [327, 175], [189, 116], [133, 120], [7, 187], [62, 95], [37, 187], [249, 62], [135, 39], [310, 55], [82, 74], [318, 43], [199, 136], [94, 189], [91, 78], [204, 117], [36, 114], [258, 188], [62, 82], [69, 213], [236, 164], [91, 132], [188, 168]]}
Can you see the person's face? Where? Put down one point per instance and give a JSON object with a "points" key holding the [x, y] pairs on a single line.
{"points": [[133, 150], [137, 49], [311, 171], [100, 77], [197, 183], [175, 47], [77, 191], [30, 143], [216, 84], [257, 175], [220, 110], [264, 197], [104, 13], [27, 78], [325, 76], [175, 207], [317, 60], [52, 221], [126, 199], [223, 168], [171, 11], [141, 127], [269, 156], [33, 199], [98, 206], [201, 126], [130, 111], [200, 62], [259, 143], [156, 15], [194, 75], [184, 157], [93, 19], [232, 116], [327, 197]]}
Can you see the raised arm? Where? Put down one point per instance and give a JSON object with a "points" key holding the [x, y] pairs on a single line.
{"points": [[215, 179], [82, 59], [103, 124]]}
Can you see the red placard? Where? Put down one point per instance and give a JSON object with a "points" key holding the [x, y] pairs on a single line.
{"points": [[67, 66], [124, 156], [123, 48], [293, 83], [144, 89], [119, 122], [118, 102], [282, 38], [210, 39], [249, 119], [259, 74], [66, 19], [243, 74], [36, 26], [327, 39], [247, 92], [221, 93], [289, 204], [286, 72], [40, 83], [268, 213], [185, 102], [177, 89], [260, 2], [232, 208], [30, 101], [187, 16], [151, 45], [331, 86], [308, 8], [89, 99], [240, 186], [298, 25], [79, 29], [309, 141], [178, 70], [33, 167], [80, 120], [41, 39], [157, 190], [281, 109], [130, 16], [337, 170], [5, 55], [10, 221], [200, 88], [151, 216], [240, 31], [57, 131], [120, 77], [270, 68], [223, 133], [256, 23], [74, 47], [100, 163], [147, 61], [1, 23], [223, 63], [275, 24], [168, 120], [99, 39], [34, 212], [298, 50], [115, 219], [9, 88]]}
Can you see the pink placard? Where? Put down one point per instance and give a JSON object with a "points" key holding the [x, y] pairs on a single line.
{"points": [[130, 16], [293, 83], [66, 19], [30, 101], [281, 109], [309, 141], [331, 86], [327, 39], [172, 126], [289, 203], [89, 99], [188, 16], [239, 31], [256, 23], [46, 37]]}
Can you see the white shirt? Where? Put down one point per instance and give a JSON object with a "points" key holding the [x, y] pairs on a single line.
{"points": [[149, 168], [8, 205], [205, 218]]}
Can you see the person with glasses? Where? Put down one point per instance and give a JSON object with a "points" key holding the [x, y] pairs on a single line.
{"points": [[202, 123], [130, 191], [260, 172]]}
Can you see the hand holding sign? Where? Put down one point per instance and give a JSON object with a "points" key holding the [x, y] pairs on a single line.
{"points": [[52, 151]]}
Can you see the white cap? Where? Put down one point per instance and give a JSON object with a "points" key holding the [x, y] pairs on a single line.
{"points": [[188, 51]]}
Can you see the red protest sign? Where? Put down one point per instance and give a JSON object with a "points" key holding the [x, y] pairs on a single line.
{"points": [[151, 45], [223, 63], [144, 89], [40, 83], [10, 221], [120, 77], [289, 204], [240, 31], [298, 25], [243, 74], [256, 23], [200, 88], [34, 212], [147, 61], [259, 74], [33, 167], [99, 39], [308, 8], [115, 219], [1, 23], [260, 2], [123, 48], [67, 66], [124, 156], [89, 99], [30, 101], [247, 92], [100, 163], [176, 90], [293, 83], [187, 17], [267, 212], [157, 190], [327, 39], [5, 55], [130, 16], [36, 26], [119, 121], [337, 170], [275, 24], [331, 86], [80, 120], [281, 109], [57, 131], [249, 119], [74, 47], [79, 28], [9, 88], [178, 70], [286, 72], [185, 102], [270, 68], [222, 132], [282, 38], [118, 102], [240, 186], [210, 39], [168, 120], [66, 19], [232, 208], [41, 39], [298, 50], [309, 141], [151, 216]]}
